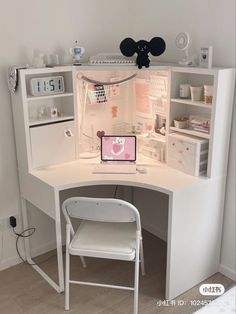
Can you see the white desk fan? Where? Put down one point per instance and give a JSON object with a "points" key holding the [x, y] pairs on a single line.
{"points": [[182, 42]]}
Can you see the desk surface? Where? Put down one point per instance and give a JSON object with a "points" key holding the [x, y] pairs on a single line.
{"points": [[191, 207], [79, 173]]}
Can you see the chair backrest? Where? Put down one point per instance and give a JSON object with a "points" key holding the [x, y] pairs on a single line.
{"points": [[100, 209]]}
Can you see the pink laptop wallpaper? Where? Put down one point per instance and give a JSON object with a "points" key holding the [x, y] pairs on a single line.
{"points": [[118, 148]]}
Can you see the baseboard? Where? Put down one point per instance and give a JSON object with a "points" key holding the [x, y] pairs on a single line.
{"points": [[9, 262], [227, 272], [44, 249], [155, 231], [12, 261]]}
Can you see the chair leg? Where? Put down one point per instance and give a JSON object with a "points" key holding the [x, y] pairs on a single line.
{"points": [[136, 278], [67, 272], [142, 258], [83, 262]]}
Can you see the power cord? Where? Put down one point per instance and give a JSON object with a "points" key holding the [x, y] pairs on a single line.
{"points": [[23, 234]]}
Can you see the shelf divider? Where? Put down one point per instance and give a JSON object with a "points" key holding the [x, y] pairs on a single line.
{"points": [[192, 103], [190, 132], [37, 122], [30, 98]]}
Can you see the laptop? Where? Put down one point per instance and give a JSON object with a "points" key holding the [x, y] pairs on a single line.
{"points": [[118, 154]]}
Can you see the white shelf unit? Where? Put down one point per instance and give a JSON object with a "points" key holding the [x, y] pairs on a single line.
{"points": [[219, 112], [29, 98], [52, 133], [39, 105], [45, 140], [191, 103]]}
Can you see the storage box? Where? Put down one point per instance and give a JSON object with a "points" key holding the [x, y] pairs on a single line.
{"points": [[152, 147], [181, 124], [188, 154]]}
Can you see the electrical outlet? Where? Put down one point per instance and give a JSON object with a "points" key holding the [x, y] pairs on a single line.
{"points": [[13, 221], [5, 222]]}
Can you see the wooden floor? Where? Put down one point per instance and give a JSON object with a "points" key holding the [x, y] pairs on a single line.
{"points": [[23, 291]]}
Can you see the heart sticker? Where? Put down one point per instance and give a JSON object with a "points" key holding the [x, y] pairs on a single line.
{"points": [[117, 148], [100, 134]]}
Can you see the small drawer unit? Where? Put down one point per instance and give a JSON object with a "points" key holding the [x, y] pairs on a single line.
{"points": [[188, 154], [152, 147]]}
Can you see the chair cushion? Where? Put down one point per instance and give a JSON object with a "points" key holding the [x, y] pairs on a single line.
{"points": [[105, 240]]}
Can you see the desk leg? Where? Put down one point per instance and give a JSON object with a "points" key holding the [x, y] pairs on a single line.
{"points": [[59, 288], [194, 235], [59, 242], [26, 226]]}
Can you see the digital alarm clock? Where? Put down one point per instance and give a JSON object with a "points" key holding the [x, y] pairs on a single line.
{"points": [[42, 86]]}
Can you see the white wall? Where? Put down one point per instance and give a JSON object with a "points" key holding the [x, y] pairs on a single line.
{"points": [[210, 22], [27, 27], [100, 25]]}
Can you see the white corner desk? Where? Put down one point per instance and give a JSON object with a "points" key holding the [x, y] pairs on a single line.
{"points": [[194, 219], [195, 204]]}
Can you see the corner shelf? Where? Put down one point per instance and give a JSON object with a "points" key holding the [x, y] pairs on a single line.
{"points": [[190, 132], [191, 103], [30, 98]]}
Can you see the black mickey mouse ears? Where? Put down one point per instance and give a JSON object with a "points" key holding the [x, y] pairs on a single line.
{"points": [[156, 46], [128, 47]]}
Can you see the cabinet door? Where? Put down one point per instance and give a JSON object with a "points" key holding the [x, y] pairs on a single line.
{"points": [[52, 144]]}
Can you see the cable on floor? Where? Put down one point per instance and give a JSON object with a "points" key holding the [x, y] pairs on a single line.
{"points": [[25, 234]]}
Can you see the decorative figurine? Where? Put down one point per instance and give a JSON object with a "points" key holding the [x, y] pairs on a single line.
{"points": [[156, 47], [77, 53]]}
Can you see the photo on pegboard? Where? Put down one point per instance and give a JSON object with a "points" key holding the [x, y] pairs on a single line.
{"points": [[114, 111]]}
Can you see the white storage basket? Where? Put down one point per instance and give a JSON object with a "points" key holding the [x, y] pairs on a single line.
{"points": [[98, 93]]}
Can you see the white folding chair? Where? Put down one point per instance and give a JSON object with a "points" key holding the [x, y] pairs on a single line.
{"points": [[111, 229]]}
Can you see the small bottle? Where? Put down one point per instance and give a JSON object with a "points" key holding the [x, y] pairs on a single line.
{"points": [[42, 112]]}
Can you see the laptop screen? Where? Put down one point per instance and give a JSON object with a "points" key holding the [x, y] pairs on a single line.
{"points": [[118, 148]]}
